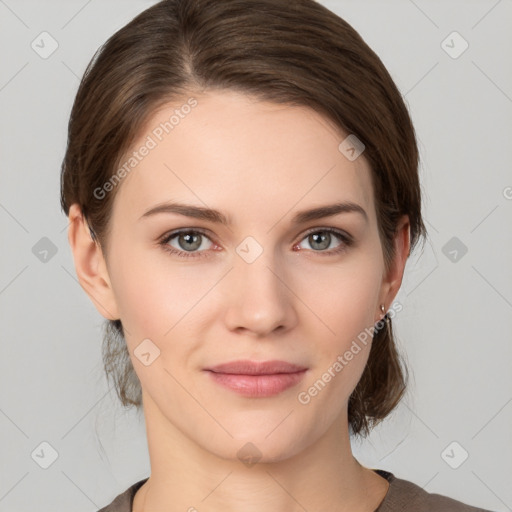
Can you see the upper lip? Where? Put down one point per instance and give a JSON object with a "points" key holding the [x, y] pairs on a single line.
{"points": [[247, 367]]}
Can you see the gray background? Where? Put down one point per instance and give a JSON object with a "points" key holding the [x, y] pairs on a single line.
{"points": [[455, 325]]}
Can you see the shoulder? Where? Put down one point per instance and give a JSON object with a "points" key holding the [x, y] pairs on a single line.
{"points": [[124, 501], [404, 495]]}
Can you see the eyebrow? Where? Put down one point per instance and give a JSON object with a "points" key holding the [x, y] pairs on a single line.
{"points": [[215, 216]]}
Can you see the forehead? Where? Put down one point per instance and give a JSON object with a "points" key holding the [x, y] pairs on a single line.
{"points": [[232, 150]]}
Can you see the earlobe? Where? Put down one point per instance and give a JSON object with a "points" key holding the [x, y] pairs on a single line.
{"points": [[90, 265]]}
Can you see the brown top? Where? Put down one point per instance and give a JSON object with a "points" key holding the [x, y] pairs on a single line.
{"points": [[402, 496]]}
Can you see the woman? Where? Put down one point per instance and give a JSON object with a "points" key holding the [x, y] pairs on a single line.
{"points": [[269, 138]]}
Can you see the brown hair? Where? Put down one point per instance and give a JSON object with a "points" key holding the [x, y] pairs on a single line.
{"points": [[294, 53]]}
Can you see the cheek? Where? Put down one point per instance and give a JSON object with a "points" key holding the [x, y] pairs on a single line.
{"points": [[139, 298], [144, 289], [160, 299], [342, 298]]}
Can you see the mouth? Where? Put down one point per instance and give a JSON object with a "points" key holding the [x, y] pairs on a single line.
{"points": [[257, 379]]}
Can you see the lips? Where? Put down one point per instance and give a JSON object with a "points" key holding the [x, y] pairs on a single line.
{"points": [[255, 379], [247, 367]]}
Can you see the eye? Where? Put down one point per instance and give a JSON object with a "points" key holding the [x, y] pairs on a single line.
{"points": [[321, 239], [189, 242]]}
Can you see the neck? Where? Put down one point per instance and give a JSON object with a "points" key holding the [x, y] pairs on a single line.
{"points": [[187, 477]]}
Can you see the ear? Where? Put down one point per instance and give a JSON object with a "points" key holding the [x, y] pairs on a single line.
{"points": [[393, 278], [90, 265]]}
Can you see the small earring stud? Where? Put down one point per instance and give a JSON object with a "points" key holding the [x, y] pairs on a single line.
{"points": [[383, 309]]}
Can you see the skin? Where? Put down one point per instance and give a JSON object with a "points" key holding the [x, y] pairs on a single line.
{"points": [[259, 163]]}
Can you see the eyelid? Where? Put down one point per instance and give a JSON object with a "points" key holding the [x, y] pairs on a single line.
{"points": [[338, 231], [166, 237], [210, 235]]}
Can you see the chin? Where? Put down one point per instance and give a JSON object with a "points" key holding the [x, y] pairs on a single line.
{"points": [[258, 448]]}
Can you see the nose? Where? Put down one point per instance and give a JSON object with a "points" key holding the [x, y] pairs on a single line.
{"points": [[259, 299]]}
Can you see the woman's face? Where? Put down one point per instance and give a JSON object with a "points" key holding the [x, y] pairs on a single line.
{"points": [[268, 283]]}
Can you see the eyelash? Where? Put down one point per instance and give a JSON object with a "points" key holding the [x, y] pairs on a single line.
{"points": [[164, 242]]}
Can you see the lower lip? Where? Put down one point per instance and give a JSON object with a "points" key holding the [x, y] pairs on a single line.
{"points": [[258, 385]]}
